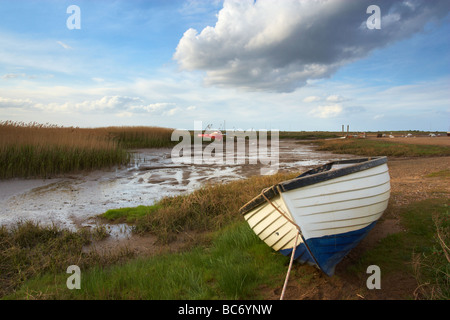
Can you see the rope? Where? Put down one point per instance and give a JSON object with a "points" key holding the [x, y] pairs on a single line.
{"points": [[282, 213], [299, 233], [289, 269], [295, 244]]}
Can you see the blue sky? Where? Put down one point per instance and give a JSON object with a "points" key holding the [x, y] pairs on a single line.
{"points": [[286, 64]]}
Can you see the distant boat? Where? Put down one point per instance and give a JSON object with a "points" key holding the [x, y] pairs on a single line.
{"points": [[217, 135], [326, 211]]}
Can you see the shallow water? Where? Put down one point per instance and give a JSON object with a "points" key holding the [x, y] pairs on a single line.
{"points": [[75, 200]]}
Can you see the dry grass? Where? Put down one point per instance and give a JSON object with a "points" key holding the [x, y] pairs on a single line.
{"points": [[30, 150], [140, 137], [368, 147], [206, 209]]}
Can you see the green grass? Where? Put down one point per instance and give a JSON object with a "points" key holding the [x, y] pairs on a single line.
{"points": [[440, 174], [366, 147], [232, 267], [128, 215], [29, 250]]}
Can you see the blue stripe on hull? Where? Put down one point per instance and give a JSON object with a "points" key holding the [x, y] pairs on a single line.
{"points": [[329, 250]]}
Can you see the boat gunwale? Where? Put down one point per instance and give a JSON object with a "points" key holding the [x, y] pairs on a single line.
{"points": [[315, 175]]}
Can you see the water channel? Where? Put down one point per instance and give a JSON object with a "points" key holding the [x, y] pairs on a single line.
{"points": [[75, 200]]}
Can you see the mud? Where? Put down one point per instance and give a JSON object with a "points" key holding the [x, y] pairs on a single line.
{"points": [[74, 201]]}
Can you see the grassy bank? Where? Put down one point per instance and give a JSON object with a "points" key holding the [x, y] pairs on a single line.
{"points": [[208, 208], [227, 245], [36, 150], [236, 264], [225, 261], [29, 250], [367, 147], [232, 267]]}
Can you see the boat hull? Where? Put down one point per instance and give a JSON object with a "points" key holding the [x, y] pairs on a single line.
{"points": [[334, 209]]}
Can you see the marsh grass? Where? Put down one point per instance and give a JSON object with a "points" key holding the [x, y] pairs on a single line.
{"points": [[29, 250], [128, 215], [141, 137], [233, 266], [432, 267], [208, 208], [420, 251], [367, 147], [37, 150], [308, 135]]}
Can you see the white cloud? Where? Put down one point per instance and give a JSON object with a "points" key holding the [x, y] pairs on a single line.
{"points": [[281, 45], [15, 103], [335, 98], [124, 114], [311, 99], [329, 111], [12, 76], [65, 46]]}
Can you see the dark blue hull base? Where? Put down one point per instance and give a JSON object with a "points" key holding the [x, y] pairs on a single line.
{"points": [[328, 251]]}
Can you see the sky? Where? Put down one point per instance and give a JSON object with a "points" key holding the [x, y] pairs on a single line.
{"points": [[297, 65]]}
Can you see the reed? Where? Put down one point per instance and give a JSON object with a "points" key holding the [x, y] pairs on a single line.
{"points": [[141, 137], [44, 150]]}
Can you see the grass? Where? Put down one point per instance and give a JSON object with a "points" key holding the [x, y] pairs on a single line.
{"points": [[29, 250], [367, 147], [208, 208], [36, 150], [440, 174], [232, 264], [129, 215], [232, 267], [309, 135], [141, 137], [236, 264], [421, 251]]}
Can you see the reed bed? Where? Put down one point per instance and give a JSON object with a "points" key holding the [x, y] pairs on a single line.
{"points": [[141, 137], [45, 150]]}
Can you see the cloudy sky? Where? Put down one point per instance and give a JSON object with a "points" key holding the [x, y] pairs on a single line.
{"points": [[264, 64]]}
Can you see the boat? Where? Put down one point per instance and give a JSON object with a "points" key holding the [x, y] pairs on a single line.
{"points": [[321, 215]]}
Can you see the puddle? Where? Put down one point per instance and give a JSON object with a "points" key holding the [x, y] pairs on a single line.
{"points": [[75, 200]]}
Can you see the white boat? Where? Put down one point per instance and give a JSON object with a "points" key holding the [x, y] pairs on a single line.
{"points": [[323, 213]]}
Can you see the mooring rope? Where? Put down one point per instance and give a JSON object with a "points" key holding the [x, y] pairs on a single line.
{"points": [[278, 209], [290, 266], [295, 244]]}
